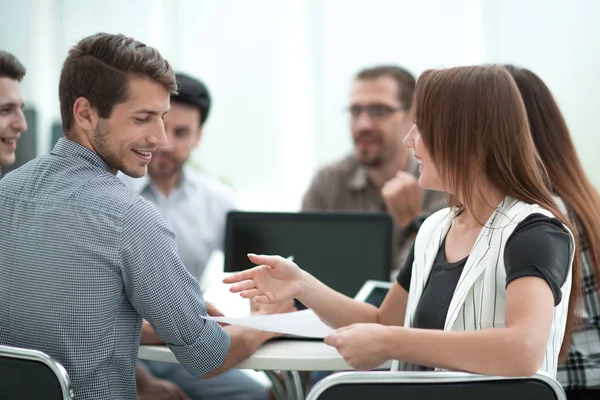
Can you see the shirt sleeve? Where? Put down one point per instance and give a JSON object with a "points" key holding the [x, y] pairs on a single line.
{"points": [[405, 273], [539, 246], [164, 293]]}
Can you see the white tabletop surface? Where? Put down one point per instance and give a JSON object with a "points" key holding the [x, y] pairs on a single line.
{"points": [[275, 355], [284, 355]]}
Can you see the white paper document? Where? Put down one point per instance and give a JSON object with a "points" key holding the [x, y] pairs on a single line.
{"points": [[300, 323]]}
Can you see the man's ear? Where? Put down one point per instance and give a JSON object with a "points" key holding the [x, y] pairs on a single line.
{"points": [[85, 116]]}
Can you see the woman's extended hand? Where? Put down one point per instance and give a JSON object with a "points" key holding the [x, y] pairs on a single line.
{"points": [[275, 280]]}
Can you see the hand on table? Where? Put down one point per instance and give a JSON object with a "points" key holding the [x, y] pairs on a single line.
{"points": [[403, 198], [277, 308], [361, 345], [275, 280]]}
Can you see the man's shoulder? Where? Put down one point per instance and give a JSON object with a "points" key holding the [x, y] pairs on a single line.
{"points": [[71, 186], [134, 184], [108, 194], [210, 185], [339, 170]]}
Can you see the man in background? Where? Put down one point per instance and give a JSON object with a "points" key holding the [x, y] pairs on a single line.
{"points": [[195, 207], [381, 175], [12, 120]]}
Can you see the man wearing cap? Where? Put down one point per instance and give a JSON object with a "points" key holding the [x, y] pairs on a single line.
{"points": [[194, 206]]}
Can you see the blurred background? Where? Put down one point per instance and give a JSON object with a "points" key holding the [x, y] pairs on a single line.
{"points": [[280, 71]]}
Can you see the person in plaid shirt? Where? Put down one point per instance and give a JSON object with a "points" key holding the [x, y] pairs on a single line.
{"points": [[580, 374]]}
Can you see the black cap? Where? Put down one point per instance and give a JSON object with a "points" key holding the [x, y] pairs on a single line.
{"points": [[193, 92]]}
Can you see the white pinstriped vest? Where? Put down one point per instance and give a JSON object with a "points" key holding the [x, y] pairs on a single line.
{"points": [[480, 296]]}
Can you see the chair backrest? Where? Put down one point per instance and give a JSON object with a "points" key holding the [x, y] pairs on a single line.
{"points": [[31, 374], [434, 385]]}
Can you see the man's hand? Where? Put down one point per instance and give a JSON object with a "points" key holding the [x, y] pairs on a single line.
{"points": [[403, 198], [160, 389], [213, 311], [277, 308], [149, 336]]}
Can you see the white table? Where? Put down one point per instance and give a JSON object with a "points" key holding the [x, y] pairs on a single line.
{"points": [[277, 355]]}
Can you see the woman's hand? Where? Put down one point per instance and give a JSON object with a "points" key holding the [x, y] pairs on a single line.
{"points": [[363, 346], [275, 280]]}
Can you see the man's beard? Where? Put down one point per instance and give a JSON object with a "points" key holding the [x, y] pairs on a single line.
{"points": [[369, 157], [155, 170], [366, 160], [100, 143]]}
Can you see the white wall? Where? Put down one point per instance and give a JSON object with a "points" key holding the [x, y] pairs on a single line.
{"points": [[280, 70], [558, 40]]}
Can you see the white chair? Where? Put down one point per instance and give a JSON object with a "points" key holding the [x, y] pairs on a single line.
{"points": [[30, 374], [387, 385]]}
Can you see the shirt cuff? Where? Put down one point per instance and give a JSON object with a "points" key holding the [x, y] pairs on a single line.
{"points": [[207, 353]]}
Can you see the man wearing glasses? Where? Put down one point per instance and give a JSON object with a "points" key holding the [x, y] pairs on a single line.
{"points": [[381, 174]]}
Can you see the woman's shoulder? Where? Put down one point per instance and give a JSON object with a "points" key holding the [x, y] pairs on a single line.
{"points": [[514, 210]]}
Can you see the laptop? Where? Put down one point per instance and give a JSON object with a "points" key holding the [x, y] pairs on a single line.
{"points": [[342, 249]]}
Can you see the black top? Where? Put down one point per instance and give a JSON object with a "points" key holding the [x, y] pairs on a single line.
{"points": [[539, 246]]}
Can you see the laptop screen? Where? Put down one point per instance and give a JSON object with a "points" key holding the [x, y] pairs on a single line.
{"points": [[343, 250]]}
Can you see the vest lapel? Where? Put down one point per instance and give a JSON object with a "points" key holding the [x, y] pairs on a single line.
{"points": [[475, 265], [428, 258]]}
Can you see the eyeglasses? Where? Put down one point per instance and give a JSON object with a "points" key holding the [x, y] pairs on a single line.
{"points": [[376, 112]]}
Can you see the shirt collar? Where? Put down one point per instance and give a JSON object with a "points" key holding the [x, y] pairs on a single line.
{"points": [[358, 179], [186, 184], [69, 149]]}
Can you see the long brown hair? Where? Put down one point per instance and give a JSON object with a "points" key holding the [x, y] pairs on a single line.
{"points": [[473, 121], [567, 177]]}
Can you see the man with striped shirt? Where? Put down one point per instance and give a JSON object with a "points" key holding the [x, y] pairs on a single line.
{"points": [[84, 259]]}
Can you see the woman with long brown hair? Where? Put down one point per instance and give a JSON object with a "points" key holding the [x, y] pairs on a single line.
{"points": [[487, 287], [580, 375]]}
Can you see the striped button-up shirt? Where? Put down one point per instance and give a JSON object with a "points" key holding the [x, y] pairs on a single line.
{"points": [[196, 211], [82, 260]]}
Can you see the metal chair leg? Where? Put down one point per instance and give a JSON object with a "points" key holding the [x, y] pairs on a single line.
{"points": [[278, 388]]}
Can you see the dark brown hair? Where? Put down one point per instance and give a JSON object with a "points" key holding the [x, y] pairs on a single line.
{"points": [[405, 81], [10, 67], [473, 121], [567, 177], [99, 67]]}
